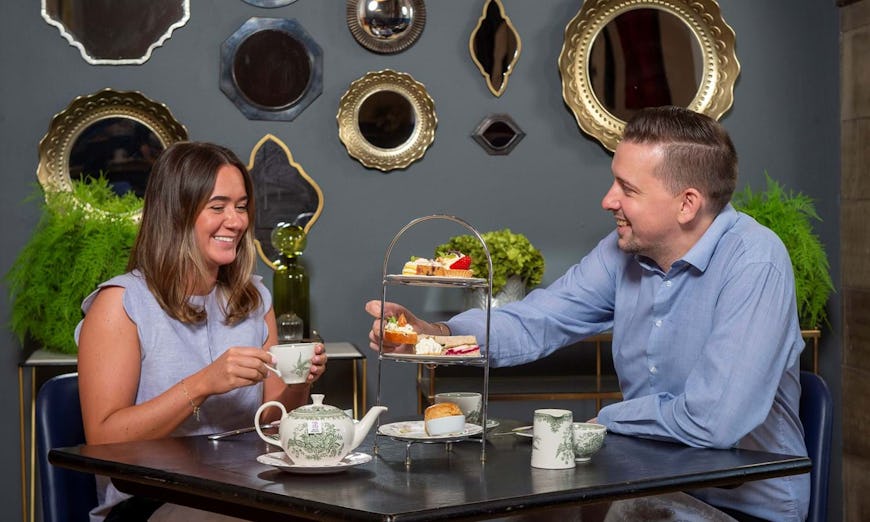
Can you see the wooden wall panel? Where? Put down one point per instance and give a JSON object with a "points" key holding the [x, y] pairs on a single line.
{"points": [[856, 333], [855, 154], [854, 49], [855, 243], [856, 473]]}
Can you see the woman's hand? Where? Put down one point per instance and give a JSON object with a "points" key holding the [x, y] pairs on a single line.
{"points": [[318, 363], [238, 366]]}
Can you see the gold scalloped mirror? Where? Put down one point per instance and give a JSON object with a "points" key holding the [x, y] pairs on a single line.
{"points": [[283, 191], [620, 56], [116, 133], [386, 120]]}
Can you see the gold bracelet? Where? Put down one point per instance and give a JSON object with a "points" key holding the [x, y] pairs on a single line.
{"points": [[442, 328], [190, 400]]}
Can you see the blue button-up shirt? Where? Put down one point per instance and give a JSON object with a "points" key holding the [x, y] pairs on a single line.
{"points": [[707, 353]]}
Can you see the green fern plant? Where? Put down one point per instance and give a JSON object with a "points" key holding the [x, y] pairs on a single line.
{"points": [[790, 216], [71, 251]]}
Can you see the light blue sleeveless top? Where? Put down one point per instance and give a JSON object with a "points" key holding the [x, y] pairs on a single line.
{"points": [[171, 350]]}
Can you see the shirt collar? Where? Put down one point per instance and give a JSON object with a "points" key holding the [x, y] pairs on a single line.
{"points": [[701, 252]]}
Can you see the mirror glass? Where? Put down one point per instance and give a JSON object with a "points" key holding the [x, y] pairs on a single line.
{"points": [[116, 133], [498, 134], [620, 56], [120, 149], [495, 46], [271, 69], [284, 193], [117, 31], [386, 26], [386, 120], [645, 58]]}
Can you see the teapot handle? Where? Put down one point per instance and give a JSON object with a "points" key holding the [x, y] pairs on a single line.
{"points": [[267, 438]]}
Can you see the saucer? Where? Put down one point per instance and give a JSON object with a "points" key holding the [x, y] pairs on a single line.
{"points": [[280, 460], [524, 431], [416, 430]]}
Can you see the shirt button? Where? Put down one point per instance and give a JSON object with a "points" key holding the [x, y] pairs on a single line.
{"points": [[668, 283], [658, 322], [653, 370]]}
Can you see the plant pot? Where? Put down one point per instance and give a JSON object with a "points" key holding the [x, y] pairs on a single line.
{"points": [[514, 290]]}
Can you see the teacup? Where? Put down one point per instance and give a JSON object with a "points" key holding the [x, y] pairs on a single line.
{"points": [[470, 403], [588, 438], [293, 361]]}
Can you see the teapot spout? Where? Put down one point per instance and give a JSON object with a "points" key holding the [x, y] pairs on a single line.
{"points": [[362, 428]]}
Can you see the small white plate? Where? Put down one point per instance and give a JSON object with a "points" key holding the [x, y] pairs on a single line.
{"points": [[492, 423], [280, 460], [416, 430], [436, 279], [524, 431]]}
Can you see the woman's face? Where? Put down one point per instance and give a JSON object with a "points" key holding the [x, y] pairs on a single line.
{"points": [[223, 221]]}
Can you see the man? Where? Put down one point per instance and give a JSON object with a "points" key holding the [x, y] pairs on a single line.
{"points": [[700, 300]]}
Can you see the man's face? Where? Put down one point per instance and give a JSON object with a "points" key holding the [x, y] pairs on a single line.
{"points": [[646, 212]]}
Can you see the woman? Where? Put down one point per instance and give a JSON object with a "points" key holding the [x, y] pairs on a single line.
{"points": [[178, 345]]}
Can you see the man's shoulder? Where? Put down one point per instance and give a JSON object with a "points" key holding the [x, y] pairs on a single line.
{"points": [[754, 240]]}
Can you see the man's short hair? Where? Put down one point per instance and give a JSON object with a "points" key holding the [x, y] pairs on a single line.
{"points": [[698, 152]]}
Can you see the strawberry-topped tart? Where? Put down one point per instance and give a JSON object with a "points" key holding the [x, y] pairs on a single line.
{"points": [[453, 264]]}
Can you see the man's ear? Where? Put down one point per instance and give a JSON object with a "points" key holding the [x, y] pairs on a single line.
{"points": [[691, 205]]}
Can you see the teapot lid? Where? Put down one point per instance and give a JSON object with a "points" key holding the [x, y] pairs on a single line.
{"points": [[317, 407]]}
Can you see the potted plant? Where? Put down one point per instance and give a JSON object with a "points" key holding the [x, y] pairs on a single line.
{"points": [[517, 265], [71, 251], [790, 216]]}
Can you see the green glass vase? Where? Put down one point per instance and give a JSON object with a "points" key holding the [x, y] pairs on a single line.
{"points": [[290, 295]]}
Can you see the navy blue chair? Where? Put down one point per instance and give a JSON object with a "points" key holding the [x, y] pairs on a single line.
{"points": [[67, 495], [817, 417]]}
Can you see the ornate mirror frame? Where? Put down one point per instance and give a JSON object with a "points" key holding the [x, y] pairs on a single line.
{"points": [[269, 3], [82, 113], [493, 18], [127, 23], [270, 73], [703, 18], [399, 33], [270, 164], [425, 121]]}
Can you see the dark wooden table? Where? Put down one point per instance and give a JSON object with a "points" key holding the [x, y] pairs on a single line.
{"points": [[224, 476]]}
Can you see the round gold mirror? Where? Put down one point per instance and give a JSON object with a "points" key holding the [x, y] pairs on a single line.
{"points": [[386, 120], [113, 134], [620, 56]]}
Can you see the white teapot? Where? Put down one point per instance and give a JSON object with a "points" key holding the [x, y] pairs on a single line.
{"points": [[317, 434]]}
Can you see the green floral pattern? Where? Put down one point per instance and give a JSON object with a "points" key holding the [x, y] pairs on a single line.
{"points": [[315, 446]]}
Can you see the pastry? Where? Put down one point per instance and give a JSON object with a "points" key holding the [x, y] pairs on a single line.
{"points": [[442, 409], [398, 331]]}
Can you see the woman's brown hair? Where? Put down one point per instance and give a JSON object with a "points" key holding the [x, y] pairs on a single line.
{"points": [[165, 251]]}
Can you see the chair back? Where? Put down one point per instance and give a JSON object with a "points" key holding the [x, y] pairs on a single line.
{"points": [[66, 494], [817, 418]]}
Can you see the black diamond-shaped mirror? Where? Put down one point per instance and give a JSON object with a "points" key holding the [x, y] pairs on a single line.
{"points": [[498, 134]]}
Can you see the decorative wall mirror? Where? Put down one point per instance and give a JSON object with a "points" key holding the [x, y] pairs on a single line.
{"points": [[495, 46], [271, 69], [498, 134], [116, 133], [386, 26], [620, 56], [116, 32], [386, 120], [284, 193]]}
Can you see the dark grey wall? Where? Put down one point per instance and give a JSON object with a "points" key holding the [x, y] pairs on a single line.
{"points": [[784, 120]]}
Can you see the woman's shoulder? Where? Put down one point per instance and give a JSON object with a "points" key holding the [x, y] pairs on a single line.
{"points": [[133, 283]]}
